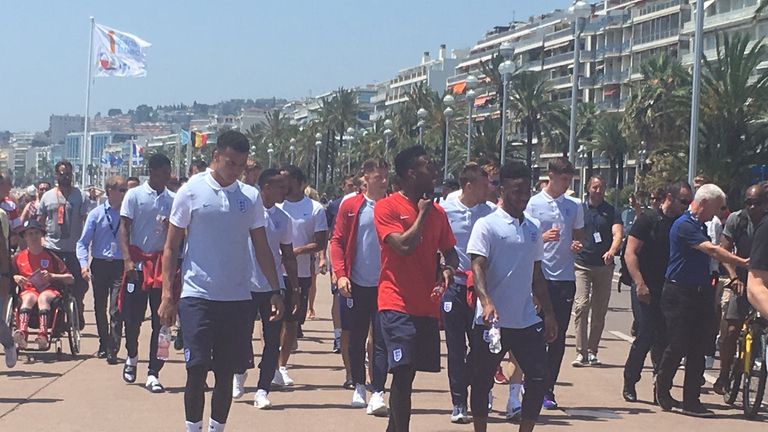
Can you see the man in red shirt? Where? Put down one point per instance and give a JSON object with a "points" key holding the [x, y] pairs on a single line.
{"points": [[412, 230]]}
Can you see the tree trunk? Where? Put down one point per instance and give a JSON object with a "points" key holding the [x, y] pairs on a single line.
{"points": [[612, 182], [590, 165], [620, 185]]}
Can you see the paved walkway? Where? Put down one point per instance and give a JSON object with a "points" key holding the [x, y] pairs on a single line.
{"points": [[86, 394]]}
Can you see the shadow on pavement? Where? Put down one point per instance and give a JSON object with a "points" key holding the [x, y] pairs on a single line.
{"points": [[29, 374]]}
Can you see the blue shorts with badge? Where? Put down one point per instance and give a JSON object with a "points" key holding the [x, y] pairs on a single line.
{"points": [[216, 333], [411, 341]]}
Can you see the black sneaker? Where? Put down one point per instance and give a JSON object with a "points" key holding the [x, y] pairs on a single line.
{"points": [[337, 346], [349, 384], [102, 353], [178, 342], [112, 358], [698, 410], [664, 400], [129, 374], [629, 393]]}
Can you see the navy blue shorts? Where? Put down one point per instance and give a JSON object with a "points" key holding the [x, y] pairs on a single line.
{"points": [[362, 306], [217, 334], [411, 341], [301, 314]]}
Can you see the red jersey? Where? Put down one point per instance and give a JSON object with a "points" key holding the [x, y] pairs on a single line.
{"points": [[27, 263], [407, 281]]}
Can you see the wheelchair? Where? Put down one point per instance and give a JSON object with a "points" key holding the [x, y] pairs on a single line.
{"points": [[65, 320]]}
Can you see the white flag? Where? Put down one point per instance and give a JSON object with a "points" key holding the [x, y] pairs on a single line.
{"points": [[118, 53]]}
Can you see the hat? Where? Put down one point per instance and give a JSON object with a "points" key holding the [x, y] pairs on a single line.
{"points": [[31, 191], [31, 224]]}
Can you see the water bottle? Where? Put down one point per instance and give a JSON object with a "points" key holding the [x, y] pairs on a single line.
{"points": [[163, 343], [494, 336]]}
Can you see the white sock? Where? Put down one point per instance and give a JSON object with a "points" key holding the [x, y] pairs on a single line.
{"points": [[132, 361], [283, 369], [514, 395], [337, 333], [215, 426], [194, 427]]}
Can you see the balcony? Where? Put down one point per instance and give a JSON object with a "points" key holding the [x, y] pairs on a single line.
{"points": [[655, 8], [558, 35], [656, 36], [559, 81], [613, 49], [614, 77], [588, 56], [558, 58], [588, 82]]}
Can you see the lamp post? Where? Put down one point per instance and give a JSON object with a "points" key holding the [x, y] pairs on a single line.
{"points": [[270, 150], [350, 137], [388, 125], [583, 158], [507, 51], [580, 12], [292, 149], [639, 163], [447, 113], [698, 47], [422, 115], [471, 84], [318, 143]]}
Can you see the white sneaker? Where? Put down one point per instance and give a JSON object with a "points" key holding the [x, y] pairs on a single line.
{"points": [[284, 380], [580, 361], [238, 385], [153, 385], [261, 401], [376, 405], [11, 356], [709, 362], [490, 400], [358, 397]]}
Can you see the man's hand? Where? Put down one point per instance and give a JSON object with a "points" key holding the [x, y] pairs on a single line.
{"points": [[608, 258], [489, 312], [322, 265], [129, 270], [737, 287], [644, 294], [576, 246], [550, 328], [86, 274], [296, 301], [424, 205], [344, 286], [167, 312], [278, 307], [447, 277], [551, 235]]}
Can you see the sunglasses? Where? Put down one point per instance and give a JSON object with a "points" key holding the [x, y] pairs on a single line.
{"points": [[749, 202]]}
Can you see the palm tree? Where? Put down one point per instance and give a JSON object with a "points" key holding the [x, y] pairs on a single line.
{"points": [[610, 139], [344, 114], [276, 130]]}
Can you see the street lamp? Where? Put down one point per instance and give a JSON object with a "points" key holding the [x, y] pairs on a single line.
{"points": [[639, 163], [270, 150], [447, 113], [471, 82], [506, 68], [583, 158], [421, 114], [388, 125], [292, 148], [579, 12], [318, 143], [350, 137], [698, 47]]}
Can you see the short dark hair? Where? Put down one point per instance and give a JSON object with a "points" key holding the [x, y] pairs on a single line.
{"points": [[560, 165], [348, 177], [514, 170], [132, 178], [295, 173], [234, 140], [406, 159], [675, 188], [158, 160], [267, 175], [61, 163], [200, 164], [373, 164], [471, 172], [593, 177]]}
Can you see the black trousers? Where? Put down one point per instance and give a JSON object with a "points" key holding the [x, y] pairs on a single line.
{"points": [[689, 311], [134, 310], [106, 277], [363, 312], [651, 336], [561, 293], [457, 320]]}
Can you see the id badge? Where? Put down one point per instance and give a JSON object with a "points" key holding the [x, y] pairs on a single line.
{"points": [[598, 238], [113, 248], [60, 214]]}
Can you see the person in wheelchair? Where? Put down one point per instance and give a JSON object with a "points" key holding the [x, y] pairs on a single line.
{"points": [[39, 274]]}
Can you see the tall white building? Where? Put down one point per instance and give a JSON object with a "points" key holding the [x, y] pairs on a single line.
{"points": [[432, 72], [60, 125]]}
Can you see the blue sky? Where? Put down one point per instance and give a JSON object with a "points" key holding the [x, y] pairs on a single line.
{"points": [[213, 50]]}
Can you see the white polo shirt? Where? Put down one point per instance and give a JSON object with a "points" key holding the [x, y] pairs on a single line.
{"points": [[217, 262], [279, 232], [568, 214], [308, 217], [462, 219], [147, 210], [511, 249]]}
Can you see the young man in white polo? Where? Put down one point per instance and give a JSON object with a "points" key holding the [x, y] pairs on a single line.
{"points": [[507, 249], [220, 217]]}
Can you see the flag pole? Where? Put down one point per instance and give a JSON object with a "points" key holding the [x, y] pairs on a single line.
{"points": [[130, 159], [190, 145], [177, 156], [84, 150]]}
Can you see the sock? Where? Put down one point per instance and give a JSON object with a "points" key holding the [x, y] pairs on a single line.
{"points": [[194, 427], [514, 396], [336, 333], [215, 426], [132, 361]]}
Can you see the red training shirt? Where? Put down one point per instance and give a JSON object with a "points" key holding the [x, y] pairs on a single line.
{"points": [[27, 262], [407, 281]]}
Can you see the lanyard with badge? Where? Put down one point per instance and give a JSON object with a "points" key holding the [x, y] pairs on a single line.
{"points": [[113, 229], [62, 207]]}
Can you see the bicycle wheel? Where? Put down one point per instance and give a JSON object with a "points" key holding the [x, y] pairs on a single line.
{"points": [[754, 377], [73, 333]]}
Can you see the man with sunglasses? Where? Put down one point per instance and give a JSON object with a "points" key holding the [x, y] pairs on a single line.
{"points": [[737, 237], [646, 256], [106, 271]]}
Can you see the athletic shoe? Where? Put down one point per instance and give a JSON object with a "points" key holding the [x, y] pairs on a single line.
{"points": [[336, 346], [629, 393], [459, 415], [112, 358], [698, 411], [284, 378], [376, 405], [549, 402], [42, 342], [709, 362], [153, 385], [178, 341], [11, 356], [499, 378], [238, 385], [358, 397], [720, 386], [261, 401], [580, 361], [593, 360], [349, 384], [20, 338], [490, 400], [129, 373], [515, 415]]}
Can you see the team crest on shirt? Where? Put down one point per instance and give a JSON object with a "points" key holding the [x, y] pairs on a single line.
{"points": [[397, 354], [241, 204], [486, 336], [447, 306], [350, 302], [534, 236], [44, 263]]}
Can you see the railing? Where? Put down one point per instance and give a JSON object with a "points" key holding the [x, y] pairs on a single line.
{"points": [[558, 58], [657, 36], [561, 80], [558, 34], [587, 81], [588, 55], [655, 8], [615, 77], [613, 49]]}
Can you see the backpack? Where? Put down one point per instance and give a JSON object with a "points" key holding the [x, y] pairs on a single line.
{"points": [[624, 276]]}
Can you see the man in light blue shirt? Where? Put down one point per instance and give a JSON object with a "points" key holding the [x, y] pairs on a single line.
{"points": [[106, 270], [562, 224]]}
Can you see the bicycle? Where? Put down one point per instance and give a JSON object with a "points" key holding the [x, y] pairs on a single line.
{"points": [[748, 372]]}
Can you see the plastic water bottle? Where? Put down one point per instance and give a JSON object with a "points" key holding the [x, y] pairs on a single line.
{"points": [[494, 336], [163, 343]]}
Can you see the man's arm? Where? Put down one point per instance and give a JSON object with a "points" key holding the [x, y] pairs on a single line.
{"points": [[541, 294], [479, 267], [83, 245], [167, 310], [617, 231], [124, 236], [405, 243], [757, 290], [721, 254], [631, 257], [292, 270], [319, 244], [264, 256]]}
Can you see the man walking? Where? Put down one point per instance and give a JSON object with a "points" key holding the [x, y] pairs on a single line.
{"points": [[100, 237], [562, 225], [462, 214], [412, 230], [688, 299], [603, 233], [221, 217]]}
